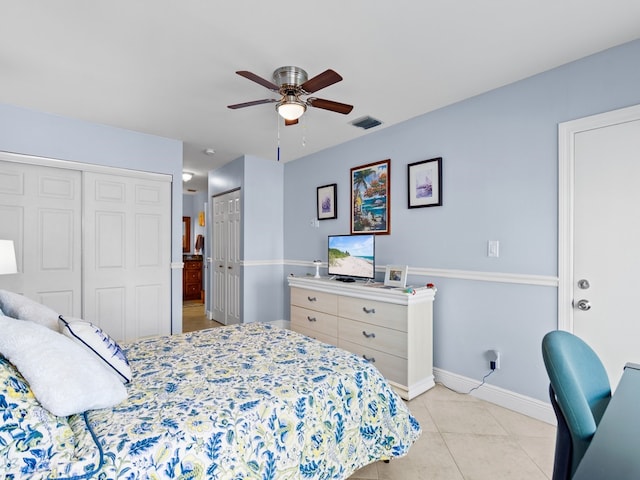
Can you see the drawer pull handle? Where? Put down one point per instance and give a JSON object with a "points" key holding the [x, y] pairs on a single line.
{"points": [[312, 319], [369, 335], [369, 359], [365, 310], [312, 299]]}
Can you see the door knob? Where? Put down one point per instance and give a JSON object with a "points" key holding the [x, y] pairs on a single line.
{"points": [[583, 305]]}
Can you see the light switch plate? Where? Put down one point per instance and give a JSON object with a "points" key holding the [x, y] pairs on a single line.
{"points": [[493, 248]]}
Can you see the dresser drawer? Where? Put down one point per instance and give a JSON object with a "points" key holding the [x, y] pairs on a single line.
{"points": [[192, 275], [373, 336], [192, 290], [378, 313], [392, 367], [320, 301], [313, 320], [322, 337]]}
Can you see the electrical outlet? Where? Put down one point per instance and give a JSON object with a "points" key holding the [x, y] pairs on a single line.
{"points": [[494, 359]]}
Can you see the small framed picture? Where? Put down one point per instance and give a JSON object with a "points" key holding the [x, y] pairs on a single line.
{"points": [[327, 207], [396, 276], [425, 183]]}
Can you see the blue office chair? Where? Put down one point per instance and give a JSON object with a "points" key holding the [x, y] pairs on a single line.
{"points": [[580, 393]]}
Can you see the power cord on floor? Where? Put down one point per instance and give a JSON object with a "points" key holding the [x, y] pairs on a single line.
{"points": [[482, 383], [474, 388]]}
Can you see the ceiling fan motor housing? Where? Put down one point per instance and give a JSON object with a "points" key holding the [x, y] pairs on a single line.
{"points": [[285, 76]]}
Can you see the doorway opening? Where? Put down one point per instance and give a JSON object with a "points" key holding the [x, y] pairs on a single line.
{"points": [[194, 317]]}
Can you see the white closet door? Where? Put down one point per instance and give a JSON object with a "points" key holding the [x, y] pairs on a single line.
{"points": [[127, 270], [40, 210], [234, 276], [218, 301], [226, 258]]}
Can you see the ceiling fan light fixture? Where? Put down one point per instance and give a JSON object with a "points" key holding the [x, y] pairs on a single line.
{"points": [[291, 107]]}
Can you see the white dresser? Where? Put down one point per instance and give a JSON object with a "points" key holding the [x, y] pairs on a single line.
{"points": [[388, 327]]}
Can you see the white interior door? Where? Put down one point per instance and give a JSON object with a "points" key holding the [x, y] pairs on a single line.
{"points": [[226, 262], [127, 270], [40, 210], [606, 239]]}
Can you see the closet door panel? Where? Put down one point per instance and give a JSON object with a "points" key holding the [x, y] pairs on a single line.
{"points": [[110, 239], [40, 210], [127, 250], [149, 241], [110, 310]]}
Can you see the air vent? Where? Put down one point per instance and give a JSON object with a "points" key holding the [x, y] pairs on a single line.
{"points": [[366, 122]]}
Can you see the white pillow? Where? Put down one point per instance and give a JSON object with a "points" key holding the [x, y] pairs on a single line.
{"points": [[97, 341], [18, 306], [63, 376]]}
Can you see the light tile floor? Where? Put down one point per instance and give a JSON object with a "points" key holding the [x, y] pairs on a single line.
{"points": [[468, 439], [463, 438]]}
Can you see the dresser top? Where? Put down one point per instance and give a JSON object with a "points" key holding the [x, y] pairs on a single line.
{"points": [[371, 291]]}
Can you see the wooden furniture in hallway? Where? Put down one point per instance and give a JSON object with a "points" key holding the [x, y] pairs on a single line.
{"points": [[192, 277]]}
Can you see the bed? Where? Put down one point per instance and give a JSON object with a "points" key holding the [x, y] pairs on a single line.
{"points": [[251, 401]]}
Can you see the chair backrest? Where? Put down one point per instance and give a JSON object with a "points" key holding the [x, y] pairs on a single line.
{"points": [[580, 384]]}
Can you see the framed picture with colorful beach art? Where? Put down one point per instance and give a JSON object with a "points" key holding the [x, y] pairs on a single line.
{"points": [[371, 198], [326, 200], [425, 183]]}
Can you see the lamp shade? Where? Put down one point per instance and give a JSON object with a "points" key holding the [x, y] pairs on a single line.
{"points": [[7, 257]]}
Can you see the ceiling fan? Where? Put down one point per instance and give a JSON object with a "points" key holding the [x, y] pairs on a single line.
{"points": [[292, 83]]}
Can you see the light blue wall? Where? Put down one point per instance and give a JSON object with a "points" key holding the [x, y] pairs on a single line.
{"points": [[35, 133], [500, 182], [263, 242], [192, 205], [261, 183]]}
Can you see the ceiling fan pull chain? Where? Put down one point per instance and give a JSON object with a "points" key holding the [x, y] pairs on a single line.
{"points": [[278, 126], [304, 132]]}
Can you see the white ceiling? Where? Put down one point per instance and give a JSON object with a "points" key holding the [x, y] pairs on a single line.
{"points": [[166, 67]]}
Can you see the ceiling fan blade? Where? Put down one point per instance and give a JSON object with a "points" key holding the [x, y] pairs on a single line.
{"points": [[322, 80], [251, 104], [255, 78], [330, 105], [290, 122]]}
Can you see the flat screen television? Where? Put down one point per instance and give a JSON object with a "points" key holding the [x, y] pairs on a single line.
{"points": [[352, 256]]}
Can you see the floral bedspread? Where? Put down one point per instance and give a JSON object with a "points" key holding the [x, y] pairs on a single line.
{"points": [[242, 402]]}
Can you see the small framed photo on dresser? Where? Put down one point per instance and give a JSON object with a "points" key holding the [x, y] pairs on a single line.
{"points": [[396, 276]]}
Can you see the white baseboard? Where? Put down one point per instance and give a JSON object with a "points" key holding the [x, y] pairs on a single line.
{"points": [[513, 401]]}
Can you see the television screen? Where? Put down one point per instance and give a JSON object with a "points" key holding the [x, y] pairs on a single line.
{"points": [[352, 256]]}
